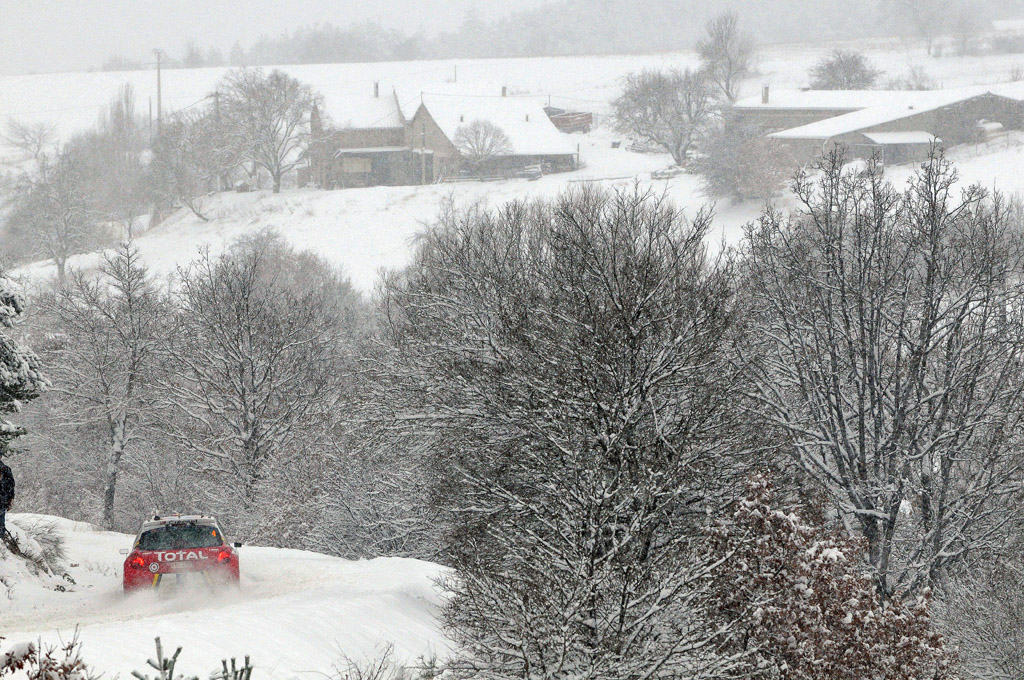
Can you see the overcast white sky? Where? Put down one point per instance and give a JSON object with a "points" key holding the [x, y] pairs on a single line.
{"points": [[53, 35]]}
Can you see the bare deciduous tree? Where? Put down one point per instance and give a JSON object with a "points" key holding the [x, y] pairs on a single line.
{"points": [[888, 343], [982, 610], [32, 138], [115, 175], [843, 70], [481, 142], [104, 367], [380, 505], [928, 17], [569, 355], [253, 364], [266, 116], [52, 213], [666, 108], [726, 54], [192, 158], [967, 25]]}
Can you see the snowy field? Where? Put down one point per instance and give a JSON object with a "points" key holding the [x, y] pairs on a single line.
{"points": [[364, 230], [73, 101], [296, 613]]}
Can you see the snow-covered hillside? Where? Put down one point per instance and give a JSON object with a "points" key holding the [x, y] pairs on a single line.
{"points": [[296, 612], [364, 230]]}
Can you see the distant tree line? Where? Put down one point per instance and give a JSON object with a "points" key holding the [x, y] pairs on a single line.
{"points": [[572, 27]]}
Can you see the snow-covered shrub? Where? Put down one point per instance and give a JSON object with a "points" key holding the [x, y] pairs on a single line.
{"points": [[43, 544], [843, 70], [382, 667], [739, 161], [804, 606], [64, 662], [165, 668], [915, 79]]}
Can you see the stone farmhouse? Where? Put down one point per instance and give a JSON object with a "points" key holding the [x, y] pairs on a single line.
{"points": [[899, 126], [373, 140]]}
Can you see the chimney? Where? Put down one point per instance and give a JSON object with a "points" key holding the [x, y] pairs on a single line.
{"points": [[376, 89], [527, 118], [764, 94], [462, 118], [504, 91]]}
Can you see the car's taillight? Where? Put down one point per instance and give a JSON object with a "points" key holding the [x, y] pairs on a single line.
{"points": [[138, 562], [223, 555]]}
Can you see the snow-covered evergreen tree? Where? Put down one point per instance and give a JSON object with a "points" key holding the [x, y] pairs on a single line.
{"points": [[20, 376]]}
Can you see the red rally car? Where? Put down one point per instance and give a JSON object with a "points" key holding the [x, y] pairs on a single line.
{"points": [[177, 548]]}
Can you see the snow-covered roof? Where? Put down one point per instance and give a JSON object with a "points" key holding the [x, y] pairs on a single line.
{"points": [[1009, 25], [350, 109], [901, 105], [909, 137], [829, 100], [163, 520], [371, 149], [523, 119]]}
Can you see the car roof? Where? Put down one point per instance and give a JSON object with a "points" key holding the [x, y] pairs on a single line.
{"points": [[163, 520]]}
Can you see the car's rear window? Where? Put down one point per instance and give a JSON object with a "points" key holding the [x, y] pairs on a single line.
{"points": [[180, 536]]}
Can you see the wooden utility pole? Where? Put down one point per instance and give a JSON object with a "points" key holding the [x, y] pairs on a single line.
{"points": [[159, 93], [423, 152]]}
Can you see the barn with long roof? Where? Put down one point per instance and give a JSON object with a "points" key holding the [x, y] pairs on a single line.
{"points": [[897, 125]]}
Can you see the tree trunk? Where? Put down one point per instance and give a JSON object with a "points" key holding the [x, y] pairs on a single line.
{"points": [[113, 466], [195, 211], [277, 182]]}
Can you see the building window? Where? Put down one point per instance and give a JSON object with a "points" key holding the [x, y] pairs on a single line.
{"points": [[354, 165]]}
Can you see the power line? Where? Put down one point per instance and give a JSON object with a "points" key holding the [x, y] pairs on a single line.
{"points": [[517, 95], [198, 101]]}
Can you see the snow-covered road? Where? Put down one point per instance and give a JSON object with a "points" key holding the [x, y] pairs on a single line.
{"points": [[296, 613]]}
